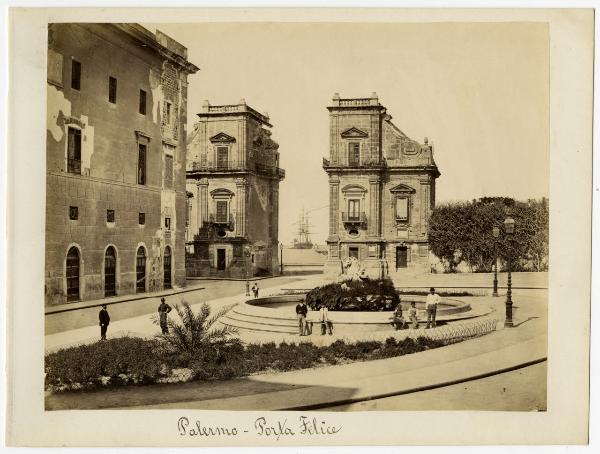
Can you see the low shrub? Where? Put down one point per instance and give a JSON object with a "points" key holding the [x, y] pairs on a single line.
{"points": [[127, 360], [363, 295]]}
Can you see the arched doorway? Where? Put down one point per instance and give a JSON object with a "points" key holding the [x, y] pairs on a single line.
{"points": [[167, 268], [140, 270], [73, 274], [110, 272]]}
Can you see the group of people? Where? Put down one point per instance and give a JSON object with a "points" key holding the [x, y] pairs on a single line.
{"points": [[163, 311], [305, 326], [431, 303]]}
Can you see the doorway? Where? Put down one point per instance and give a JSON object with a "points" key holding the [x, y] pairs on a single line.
{"points": [[73, 274], [401, 257], [221, 259], [140, 270], [167, 268], [110, 272]]}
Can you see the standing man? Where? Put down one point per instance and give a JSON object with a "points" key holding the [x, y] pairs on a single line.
{"points": [[255, 290], [163, 310], [431, 306], [301, 311], [104, 321]]}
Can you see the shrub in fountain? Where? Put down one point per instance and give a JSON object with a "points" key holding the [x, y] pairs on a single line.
{"points": [[355, 295]]}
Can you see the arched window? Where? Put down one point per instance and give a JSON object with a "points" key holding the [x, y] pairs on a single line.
{"points": [[140, 270], [73, 274], [167, 268], [110, 272]]}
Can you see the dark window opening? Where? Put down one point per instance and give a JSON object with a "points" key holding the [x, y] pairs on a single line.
{"points": [[222, 157], [73, 213], [222, 211], [110, 215], [167, 223], [75, 75], [74, 151], [112, 90], [142, 107], [141, 163], [354, 154], [353, 252], [142, 218]]}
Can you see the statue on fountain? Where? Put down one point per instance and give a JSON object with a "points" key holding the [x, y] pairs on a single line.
{"points": [[352, 270]]}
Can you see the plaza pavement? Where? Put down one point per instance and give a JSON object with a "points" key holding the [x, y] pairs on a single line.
{"points": [[322, 387]]}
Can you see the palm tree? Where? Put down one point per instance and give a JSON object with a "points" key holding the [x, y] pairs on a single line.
{"points": [[194, 332]]}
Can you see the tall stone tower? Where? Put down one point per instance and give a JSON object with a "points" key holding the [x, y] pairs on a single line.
{"points": [[381, 191]]}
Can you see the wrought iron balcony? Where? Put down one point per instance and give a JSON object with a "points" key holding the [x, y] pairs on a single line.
{"points": [[354, 218], [222, 221]]}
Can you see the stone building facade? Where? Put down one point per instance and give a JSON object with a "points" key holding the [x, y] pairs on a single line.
{"points": [[233, 177], [381, 191], [115, 157]]}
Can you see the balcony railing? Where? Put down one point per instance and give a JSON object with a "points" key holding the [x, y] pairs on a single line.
{"points": [[354, 218], [74, 166], [356, 165], [222, 221], [221, 166]]}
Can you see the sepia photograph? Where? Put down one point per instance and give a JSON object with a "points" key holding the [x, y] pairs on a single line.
{"points": [[318, 217]]}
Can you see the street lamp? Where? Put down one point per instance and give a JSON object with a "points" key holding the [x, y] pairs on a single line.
{"points": [[496, 234], [509, 228], [281, 259], [247, 254]]}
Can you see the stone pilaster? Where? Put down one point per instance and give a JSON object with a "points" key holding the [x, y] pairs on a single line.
{"points": [[240, 219], [202, 201], [425, 205], [374, 221], [334, 210]]}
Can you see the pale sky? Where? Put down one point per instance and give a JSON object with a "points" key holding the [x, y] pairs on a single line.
{"points": [[478, 91]]}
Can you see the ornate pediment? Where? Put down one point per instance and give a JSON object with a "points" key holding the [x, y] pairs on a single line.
{"points": [[354, 133], [222, 138], [402, 189], [353, 188], [221, 193]]}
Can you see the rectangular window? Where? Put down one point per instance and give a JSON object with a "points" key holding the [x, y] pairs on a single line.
{"points": [[168, 171], [222, 211], [402, 209], [110, 215], [73, 213], [112, 90], [141, 218], [141, 164], [142, 107], [354, 154], [222, 157], [74, 151], [353, 210], [167, 223], [75, 75]]}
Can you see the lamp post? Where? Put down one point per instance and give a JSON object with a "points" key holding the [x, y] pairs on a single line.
{"points": [[247, 254], [509, 228], [496, 234]]}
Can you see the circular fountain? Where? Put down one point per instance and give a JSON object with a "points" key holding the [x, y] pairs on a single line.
{"points": [[277, 314]]}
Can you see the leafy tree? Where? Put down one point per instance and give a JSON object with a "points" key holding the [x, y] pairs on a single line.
{"points": [[462, 232]]}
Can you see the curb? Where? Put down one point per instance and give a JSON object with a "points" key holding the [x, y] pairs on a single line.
{"points": [[51, 311], [336, 403]]}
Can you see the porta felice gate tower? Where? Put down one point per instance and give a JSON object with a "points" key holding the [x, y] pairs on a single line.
{"points": [[381, 191]]}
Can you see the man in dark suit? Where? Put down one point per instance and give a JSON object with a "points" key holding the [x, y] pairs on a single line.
{"points": [[104, 321]]}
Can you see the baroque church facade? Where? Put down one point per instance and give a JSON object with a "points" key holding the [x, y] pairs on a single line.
{"points": [[381, 191], [233, 177]]}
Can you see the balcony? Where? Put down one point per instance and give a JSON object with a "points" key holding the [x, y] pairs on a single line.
{"points": [[269, 170], [228, 166], [354, 164], [354, 219], [222, 221]]}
